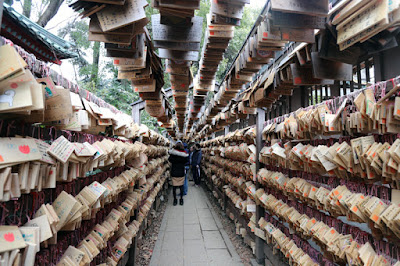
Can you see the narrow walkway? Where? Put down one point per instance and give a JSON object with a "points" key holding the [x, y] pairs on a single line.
{"points": [[193, 235]]}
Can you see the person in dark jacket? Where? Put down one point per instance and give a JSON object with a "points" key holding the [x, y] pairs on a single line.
{"points": [[178, 157], [195, 163]]}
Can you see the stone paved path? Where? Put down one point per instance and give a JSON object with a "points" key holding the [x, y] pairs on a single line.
{"points": [[193, 235]]}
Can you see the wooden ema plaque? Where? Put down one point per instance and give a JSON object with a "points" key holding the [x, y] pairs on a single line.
{"points": [[135, 74], [226, 10], [179, 55], [298, 35], [156, 95], [148, 85], [223, 20], [110, 2], [178, 46], [167, 33], [130, 48], [306, 7], [297, 21], [114, 17], [109, 38], [180, 4], [327, 69], [303, 75], [94, 26], [367, 23]]}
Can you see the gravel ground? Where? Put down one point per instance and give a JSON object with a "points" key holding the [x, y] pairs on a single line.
{"points": [[242, 249], [148, 241]]}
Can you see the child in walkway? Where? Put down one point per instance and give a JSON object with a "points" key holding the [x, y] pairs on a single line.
{"points": [[178, 157]]}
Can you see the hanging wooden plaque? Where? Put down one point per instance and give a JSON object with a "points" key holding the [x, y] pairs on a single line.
{"points": [[178, 46], [179, 55], [111, 2], [182, 4], [298, 35], [167, 33], [114, 17], [306, 7], [219, 19], [94, 27], [373, 15], [303, 75], [117, 39], [297, 21], [327, 69], [227, 10]]}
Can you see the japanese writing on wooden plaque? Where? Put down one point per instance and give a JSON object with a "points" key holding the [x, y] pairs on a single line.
{"points": [[308, 7], [115, 17], [167, 33]]}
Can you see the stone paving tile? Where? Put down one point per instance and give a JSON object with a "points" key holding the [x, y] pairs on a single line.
{"points": [[192, 232], [191, 218], [173, 241], [168, 258], [219, 254], [208, 224], [213, 239], [194, 252], [204, 213], [192, 235]]}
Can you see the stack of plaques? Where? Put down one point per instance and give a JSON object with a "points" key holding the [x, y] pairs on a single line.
{"points": [[359, 21], [215, 43], [227, 12], [293, 20], [221, 22], [90, 7], [286, 15], [177, 35], [118, 24], [176, 11]]}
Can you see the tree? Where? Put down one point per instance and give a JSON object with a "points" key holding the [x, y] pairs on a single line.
{"points": [[50, 12], [27, 8], [96, 60], [43, 10]]}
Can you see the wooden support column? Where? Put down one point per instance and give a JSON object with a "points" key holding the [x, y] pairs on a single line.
{"points": [[260, 212], [137, 108], [225, 206], [335, 89]]}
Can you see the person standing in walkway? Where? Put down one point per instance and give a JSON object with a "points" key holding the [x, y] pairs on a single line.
{"points": [[195, 163], [178, 158]]}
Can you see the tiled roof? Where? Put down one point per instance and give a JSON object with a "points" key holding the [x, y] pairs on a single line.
{"points": [[53, 43]]}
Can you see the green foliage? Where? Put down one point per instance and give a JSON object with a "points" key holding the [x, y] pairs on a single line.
{"points": [[117, 93], [151, 122]]}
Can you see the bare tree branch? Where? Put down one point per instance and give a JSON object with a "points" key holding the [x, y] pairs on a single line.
{"points": [[50, 12]]}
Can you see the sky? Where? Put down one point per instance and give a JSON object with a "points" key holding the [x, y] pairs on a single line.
{"points": [[66, 14]]}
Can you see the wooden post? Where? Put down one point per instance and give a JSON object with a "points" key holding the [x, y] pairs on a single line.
{"points": [[227, 130], [137, 107], [260, 257], [132, 249]]}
